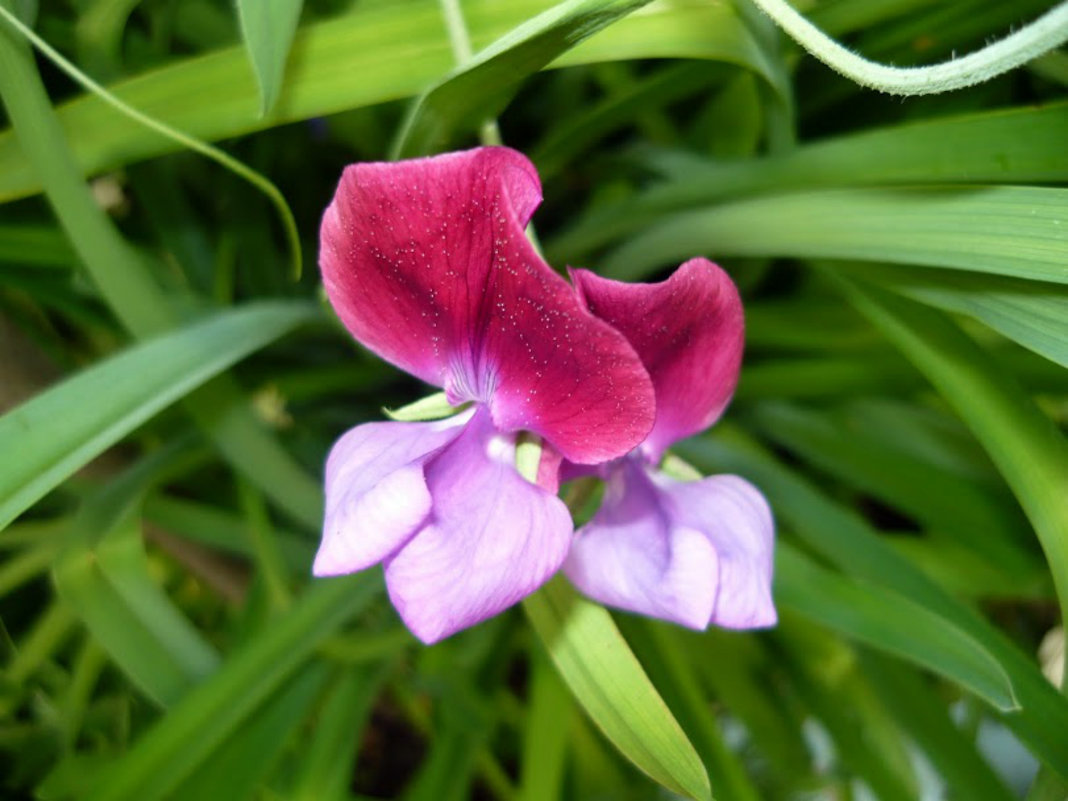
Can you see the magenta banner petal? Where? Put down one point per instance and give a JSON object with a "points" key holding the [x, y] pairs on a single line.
{"points": [[734, 516], [376, 496], [427, 264], [688, 331], [694, 553], [491, 539], [632, 556]]}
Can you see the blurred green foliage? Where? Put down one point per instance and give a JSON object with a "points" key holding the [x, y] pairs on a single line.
{"points": [[170, 391]]}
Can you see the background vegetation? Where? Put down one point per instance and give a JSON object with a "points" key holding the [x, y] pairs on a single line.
{"points": [[171, 389]]}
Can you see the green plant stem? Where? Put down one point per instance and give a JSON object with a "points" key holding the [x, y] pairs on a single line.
{"points": [[460, 41], [1040, 36]]}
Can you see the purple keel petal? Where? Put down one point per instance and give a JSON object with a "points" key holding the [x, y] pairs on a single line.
{"points": [[734, 516], [693, 553], [688, 331], [492, 538], [427, 264], [376, 496], [632, 557]]}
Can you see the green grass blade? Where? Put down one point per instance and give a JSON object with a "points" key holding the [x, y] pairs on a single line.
{"points": [[326, 771], [611, 686], [924, 717], [676, 675], [187, 736], [890, 622], [846, 540], [986, 520], [479, 90], [237, 768], [110, 590], [397, 49], [572, 136], [268, 30], [1028, 449], [1033, 313], [545, 735], [127, 287], [1017, 231], [865, 740], [63, 428], [1015, 145]]}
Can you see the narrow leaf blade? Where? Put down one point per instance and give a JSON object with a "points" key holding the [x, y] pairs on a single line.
{"points": [[606, 679]]}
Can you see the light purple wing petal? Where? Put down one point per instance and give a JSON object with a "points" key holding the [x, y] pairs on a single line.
{"points": [[427, 264], [688, 331], [694, 553], [632, 556], [492, 539], [735, 518], [376, 496]]}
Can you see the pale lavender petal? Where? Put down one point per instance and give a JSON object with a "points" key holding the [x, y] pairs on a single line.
{"points": [[376, 496], [491, 539], [735, 518], [694, 553], [631, 555]]}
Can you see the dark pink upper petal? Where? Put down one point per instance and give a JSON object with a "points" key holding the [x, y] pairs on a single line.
{"points": [[491, 538], [688, 331], [427, 265]]}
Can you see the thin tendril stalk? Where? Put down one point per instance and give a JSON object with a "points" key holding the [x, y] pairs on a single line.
{"points": [[259, 181], [1040, 36]]}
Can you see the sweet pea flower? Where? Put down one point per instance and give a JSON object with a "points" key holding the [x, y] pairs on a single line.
{"points": [[693, 552], [427, 265]]}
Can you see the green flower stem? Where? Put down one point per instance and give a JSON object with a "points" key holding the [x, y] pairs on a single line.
{"points": [[1040, 36], [460, 40]]}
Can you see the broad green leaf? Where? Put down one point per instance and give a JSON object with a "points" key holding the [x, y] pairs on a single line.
{"points": [[1016, 145], [1028, 449], [67, 425], [676, 676], [823, 672], [545, 735], [188, 735], [329, 756], [125, 282], [1006, 230], [110, 589], [237, 768], [946, 504], [842, 537], [586, 126], [268, 28], [396, 49], [477, 91], [1033, 313], [37, 245], [104, 573], [925, 719], [611, 686], [888, 621]]}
